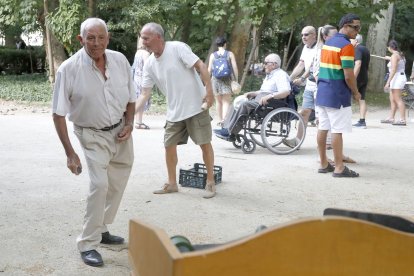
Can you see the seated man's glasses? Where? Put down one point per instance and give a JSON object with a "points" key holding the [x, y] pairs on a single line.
{"points": [[268, 62]]}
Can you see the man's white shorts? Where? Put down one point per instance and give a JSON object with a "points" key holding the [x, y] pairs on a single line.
{"points": [[336, 120]]}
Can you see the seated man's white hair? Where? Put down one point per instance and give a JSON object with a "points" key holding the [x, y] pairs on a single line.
{"points": [[274, 58]]}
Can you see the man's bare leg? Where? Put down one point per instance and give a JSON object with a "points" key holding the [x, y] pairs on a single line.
{"points": [[171, 160], [337, 145], [321, 139], [208, 158]]}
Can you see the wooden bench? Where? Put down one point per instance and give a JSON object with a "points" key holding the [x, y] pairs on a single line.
{"points": [[319, 246]]}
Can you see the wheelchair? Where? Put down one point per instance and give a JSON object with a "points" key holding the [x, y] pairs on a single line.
{"points": [[271, 126]]}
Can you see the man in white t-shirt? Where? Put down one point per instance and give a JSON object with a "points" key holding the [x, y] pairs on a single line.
{"points": [[304, 69], [180, 75]]}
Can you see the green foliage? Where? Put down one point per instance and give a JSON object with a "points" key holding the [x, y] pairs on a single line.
{"points": [[22, 14], [25, 88], [65, 23]]}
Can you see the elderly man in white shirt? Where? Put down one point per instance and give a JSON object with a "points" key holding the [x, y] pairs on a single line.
{"points": [[95, 88], [276, 85]]}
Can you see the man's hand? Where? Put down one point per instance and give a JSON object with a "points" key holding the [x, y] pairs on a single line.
{"points": [[298, 81], [356, 96], [209, 99], [250, 95], [264, 100], [125, 133], [74, 164]]}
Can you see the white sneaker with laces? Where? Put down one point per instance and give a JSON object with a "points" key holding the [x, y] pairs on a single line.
{"points": [[210, 190], [167, 189]]}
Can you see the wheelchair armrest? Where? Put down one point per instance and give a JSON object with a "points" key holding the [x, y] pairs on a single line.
{"points": [[277, 103]]}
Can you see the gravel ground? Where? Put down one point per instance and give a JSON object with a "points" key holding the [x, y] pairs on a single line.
{"points": [[42, 204]]}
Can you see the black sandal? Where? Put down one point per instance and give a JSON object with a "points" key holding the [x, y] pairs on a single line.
{"points": [[346, 173], [141, 126], [329, 168]]}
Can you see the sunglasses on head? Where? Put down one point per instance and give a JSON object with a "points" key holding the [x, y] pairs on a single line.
{"points": [[355, 27]]}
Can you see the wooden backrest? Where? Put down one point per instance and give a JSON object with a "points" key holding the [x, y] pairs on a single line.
{"points": [[320, 246]]}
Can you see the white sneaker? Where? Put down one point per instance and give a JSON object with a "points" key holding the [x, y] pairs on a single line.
{"points": [[291, 143], [210, 190], [167, 189]]}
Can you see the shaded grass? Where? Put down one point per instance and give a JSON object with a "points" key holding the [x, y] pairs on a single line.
{"points": [[35, 88], [25, 88]]}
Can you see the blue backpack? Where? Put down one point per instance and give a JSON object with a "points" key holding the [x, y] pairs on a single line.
{"points": [[221, 66]]}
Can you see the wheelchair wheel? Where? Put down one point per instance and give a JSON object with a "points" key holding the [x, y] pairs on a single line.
{"points": [[248, 146], [253, 128], [280, 128], [238, 142]]}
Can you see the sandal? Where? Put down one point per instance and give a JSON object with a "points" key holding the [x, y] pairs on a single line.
{"points": [[346, 173], [141, 126], [399, 123], [387, 121], [347, 159], [328, 168]]}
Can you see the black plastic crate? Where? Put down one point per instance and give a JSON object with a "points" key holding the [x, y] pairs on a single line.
{"points": [[197, 176]]}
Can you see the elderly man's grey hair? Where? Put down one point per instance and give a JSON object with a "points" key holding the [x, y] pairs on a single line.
{"points": [[91, 22], [154, 28], [359, 38], [274, 58]]}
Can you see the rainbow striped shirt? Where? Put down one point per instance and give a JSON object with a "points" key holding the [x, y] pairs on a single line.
{"points": [[337, 54]]}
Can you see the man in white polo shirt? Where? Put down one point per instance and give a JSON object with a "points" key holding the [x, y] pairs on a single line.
{"points": [[95, 88]]}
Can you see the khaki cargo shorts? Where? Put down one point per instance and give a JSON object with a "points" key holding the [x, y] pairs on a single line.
{"points": [[197, 127]]}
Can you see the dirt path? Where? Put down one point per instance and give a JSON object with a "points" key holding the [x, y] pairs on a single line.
{"points": [[42, 204]]}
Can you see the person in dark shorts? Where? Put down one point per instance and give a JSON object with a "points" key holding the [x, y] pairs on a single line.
{"points": [[362, 57]]}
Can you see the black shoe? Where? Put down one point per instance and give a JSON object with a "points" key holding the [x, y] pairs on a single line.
{"points": [[92, 258], [111, 239]]}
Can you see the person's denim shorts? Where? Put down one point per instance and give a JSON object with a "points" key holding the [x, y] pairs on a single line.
{"points": [[308, 99]]}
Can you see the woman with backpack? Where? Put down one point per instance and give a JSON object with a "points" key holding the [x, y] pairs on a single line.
{"points": [[223, 67]]}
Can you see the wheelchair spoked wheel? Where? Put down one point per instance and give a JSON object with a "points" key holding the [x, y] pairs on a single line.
{"points": [[254, 132], [238, 142], [248, 146], [280, 128]]}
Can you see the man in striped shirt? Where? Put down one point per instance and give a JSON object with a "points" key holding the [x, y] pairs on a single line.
{"points": [[336, 84]]}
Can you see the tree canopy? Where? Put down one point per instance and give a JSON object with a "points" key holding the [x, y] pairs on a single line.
{"points": [[276, 23]]}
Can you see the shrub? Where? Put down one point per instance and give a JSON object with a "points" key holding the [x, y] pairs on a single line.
{"points": [[18, 61]]}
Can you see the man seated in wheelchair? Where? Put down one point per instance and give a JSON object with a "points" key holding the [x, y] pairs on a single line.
{"points": [[276, 85]]}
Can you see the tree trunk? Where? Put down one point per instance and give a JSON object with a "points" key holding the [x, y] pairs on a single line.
{"points": [[92, 8], [186, 24], [285, 61], [54, 50], [252, 52], [221, 29], [377, 44], [240, 37], [256, 34]]}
